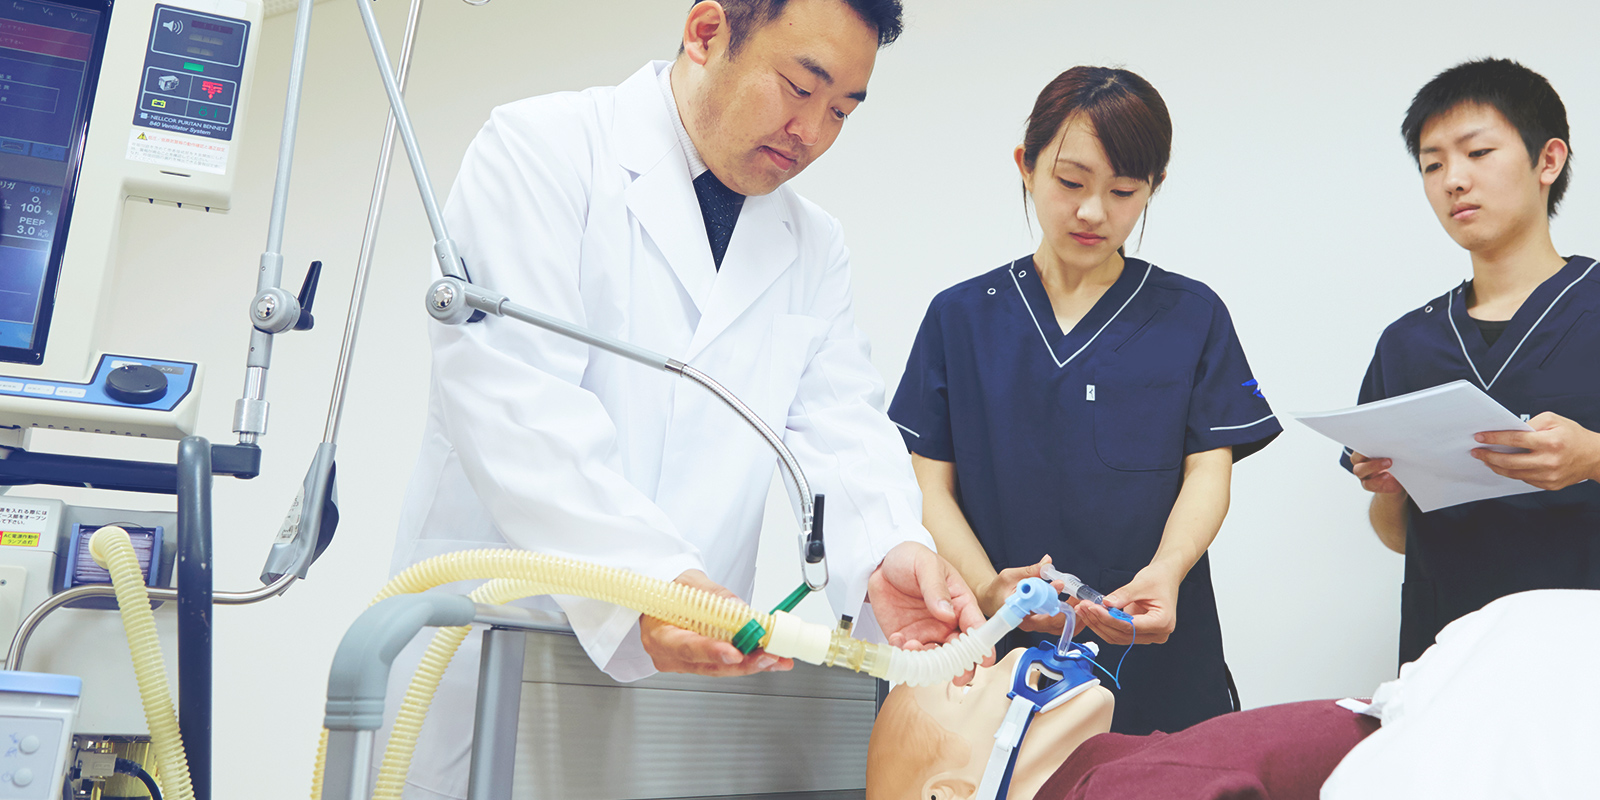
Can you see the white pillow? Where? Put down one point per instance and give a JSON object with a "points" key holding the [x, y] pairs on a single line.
{"points": [[1505, 704]]}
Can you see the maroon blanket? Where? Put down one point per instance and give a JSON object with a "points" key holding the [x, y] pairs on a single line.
{"points": [[1282, 752]]}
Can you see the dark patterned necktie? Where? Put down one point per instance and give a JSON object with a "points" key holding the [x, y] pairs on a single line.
{"points": [[719, 207]]}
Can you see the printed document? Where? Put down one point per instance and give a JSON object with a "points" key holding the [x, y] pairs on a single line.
{"points": [[1429, 434]]}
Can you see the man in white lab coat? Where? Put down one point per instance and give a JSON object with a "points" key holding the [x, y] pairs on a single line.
{"points": [[655, 212]]}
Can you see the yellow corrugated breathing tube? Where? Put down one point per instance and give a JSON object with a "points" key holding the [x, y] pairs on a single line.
{"points": [[113, 550], [515, 574]]}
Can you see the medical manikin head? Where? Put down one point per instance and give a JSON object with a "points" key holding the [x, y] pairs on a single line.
{"points": [[933, 742], [764, 86]]}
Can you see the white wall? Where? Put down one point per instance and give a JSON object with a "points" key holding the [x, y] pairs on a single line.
{"points": [[1289, 193]]}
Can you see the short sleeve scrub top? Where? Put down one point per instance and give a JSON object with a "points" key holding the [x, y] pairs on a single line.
{"points": [[1072, 444], [1545, 358]]}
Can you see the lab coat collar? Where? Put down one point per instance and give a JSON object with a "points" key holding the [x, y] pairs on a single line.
{"points": [[762, 248], [662, 198], [661, 195]]}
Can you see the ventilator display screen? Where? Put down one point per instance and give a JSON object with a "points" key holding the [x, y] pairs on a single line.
{"points": [[49, 61]]}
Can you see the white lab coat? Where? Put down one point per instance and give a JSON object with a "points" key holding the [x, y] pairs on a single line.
{"points": [[581, 205]]}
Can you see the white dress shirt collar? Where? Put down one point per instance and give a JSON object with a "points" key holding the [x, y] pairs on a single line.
{"points": [[696, 165]]}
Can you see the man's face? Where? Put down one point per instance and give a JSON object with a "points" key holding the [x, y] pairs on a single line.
{"points": [[1478, 177], [778, 104]]}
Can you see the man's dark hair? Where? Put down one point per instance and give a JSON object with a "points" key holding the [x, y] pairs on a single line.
{"points": [[747, 16], [1522, 96]]}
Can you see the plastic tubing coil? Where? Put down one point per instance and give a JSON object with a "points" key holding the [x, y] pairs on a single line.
{"points": [[523, 573], [674, 603], [927, 667], [419, 695], [540, 573], [113, 550]]}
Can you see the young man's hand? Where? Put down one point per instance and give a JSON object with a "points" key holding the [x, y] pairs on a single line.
{"points": [[1374, 474], [1560, 453]]}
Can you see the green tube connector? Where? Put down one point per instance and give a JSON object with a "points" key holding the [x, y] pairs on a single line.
{"points": [[749, 637]]}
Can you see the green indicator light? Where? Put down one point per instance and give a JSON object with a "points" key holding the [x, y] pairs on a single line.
{"points": [[193, 67]]}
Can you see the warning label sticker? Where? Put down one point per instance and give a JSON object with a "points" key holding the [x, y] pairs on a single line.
{"points": [[18, 517], [185, 153], [19, 539]]}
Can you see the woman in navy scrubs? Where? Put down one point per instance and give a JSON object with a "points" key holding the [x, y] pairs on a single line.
{"points": [[1085, 406]]}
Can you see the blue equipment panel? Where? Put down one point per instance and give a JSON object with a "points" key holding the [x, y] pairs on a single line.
{"points": [[192, 70], [179, 382]]}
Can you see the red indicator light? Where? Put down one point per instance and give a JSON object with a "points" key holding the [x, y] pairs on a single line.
{"points": [[211, 88]]}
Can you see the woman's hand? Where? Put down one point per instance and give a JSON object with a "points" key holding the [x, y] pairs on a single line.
{"points": [[993, 595], [1152, 600]]}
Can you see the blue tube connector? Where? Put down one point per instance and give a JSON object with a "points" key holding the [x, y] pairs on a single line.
{"points": [[1032, 596]]}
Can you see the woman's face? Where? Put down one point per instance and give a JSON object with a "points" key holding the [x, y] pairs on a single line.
{"points": [[1085, 210]]}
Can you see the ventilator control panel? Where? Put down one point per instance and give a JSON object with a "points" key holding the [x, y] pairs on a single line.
{"points": [[192, 71], [122, 381], [27, 765]]}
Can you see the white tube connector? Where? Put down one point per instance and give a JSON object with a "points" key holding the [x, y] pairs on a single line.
{"points": [[793, 637]]}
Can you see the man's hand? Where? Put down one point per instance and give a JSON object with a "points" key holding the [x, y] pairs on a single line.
{"points": [[1151, 598], [995, 593], [921, 601], [1374, 474], [1560, 453], [674, 649]]}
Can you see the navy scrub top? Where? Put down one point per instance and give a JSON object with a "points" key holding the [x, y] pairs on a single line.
{"points": [[1459, 559], [1072, 445]]}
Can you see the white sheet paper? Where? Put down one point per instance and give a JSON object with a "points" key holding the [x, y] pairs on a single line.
{"points": [[1429, 434]]}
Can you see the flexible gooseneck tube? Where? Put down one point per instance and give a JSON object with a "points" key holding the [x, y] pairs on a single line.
{"points": [[113, 550], [521, 573]]}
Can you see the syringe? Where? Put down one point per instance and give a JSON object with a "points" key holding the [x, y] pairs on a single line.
{"points": [[1074, 587]]}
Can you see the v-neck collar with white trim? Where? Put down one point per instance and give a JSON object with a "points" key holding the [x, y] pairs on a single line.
{"points": [[1533, 311], [1120, 294]]}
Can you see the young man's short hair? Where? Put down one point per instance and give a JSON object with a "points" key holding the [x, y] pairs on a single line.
{"points": [[1522, 96]]}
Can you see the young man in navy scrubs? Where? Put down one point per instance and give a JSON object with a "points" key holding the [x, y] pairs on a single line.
{"points": [[1491, 142]]}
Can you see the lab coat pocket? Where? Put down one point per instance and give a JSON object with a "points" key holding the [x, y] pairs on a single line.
{"points": [[796, 338], [1139, 421]]}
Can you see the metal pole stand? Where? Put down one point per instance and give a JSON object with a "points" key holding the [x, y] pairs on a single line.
{"points": [[494, 730]]}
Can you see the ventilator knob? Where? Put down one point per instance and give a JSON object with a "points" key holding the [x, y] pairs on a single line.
{"points": [[136, 384]]}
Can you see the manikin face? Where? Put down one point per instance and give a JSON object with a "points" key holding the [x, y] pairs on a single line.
{"points": [[1479, 179], [933, 742], [1085, 210], [767, 112]]}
